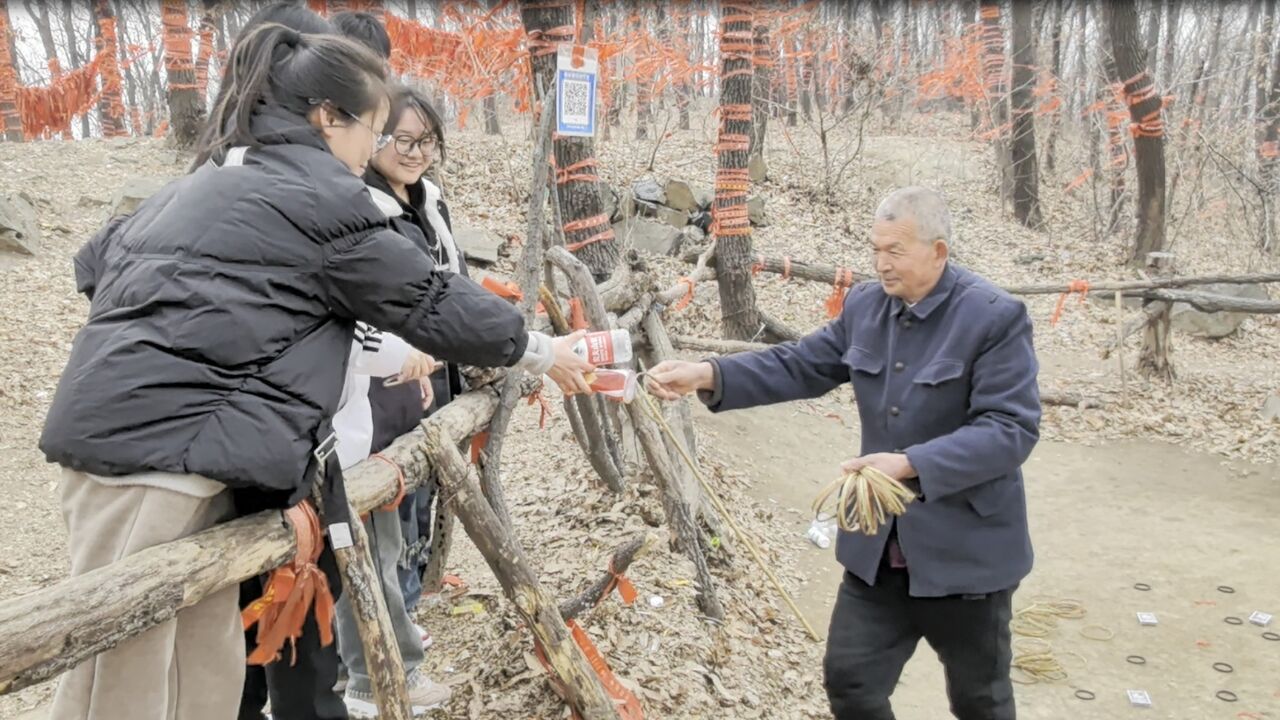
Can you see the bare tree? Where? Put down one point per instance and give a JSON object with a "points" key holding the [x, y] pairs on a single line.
{"points": [[111, 107], [10, 122], [739, 317], [1022, 148], [761, 61], [587, 230], [1148, 145]]}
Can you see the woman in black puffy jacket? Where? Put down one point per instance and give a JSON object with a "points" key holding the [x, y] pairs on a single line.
{"points": [[210, 359]]}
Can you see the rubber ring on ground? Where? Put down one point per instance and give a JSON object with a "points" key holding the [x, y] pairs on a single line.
{"points": [[1141, 586], [1226, 696], [1273, 637], [1226, 589], [1223, 667], [1097, 632], [1232, 620], [1136, 660], [1085, 695]]}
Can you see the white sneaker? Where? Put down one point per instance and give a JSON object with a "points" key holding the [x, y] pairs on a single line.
{"points": [[424, 695]]}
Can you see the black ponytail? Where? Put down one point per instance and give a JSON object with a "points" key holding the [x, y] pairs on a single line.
{"points": [[278, 66]]}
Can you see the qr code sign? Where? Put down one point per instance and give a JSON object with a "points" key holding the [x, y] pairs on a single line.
{"points": [[575, 99]]}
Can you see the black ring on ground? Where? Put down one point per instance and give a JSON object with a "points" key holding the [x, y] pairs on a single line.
{"points": [[1085, 695], [1226, 696], [1138, 586], [1226, 589], [1273, 637], [1223, 667], [1232, 620], [1136, 660]]}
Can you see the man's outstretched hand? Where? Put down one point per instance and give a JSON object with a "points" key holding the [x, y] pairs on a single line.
{"points": [[673, 379]]}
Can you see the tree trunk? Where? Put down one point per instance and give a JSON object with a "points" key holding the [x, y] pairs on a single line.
{"points": [[73, 51], [996, 90], [1172, 8], [1269, 155], [1055, 117], [1145, 121], [1026, 171], [1082, 93], [1262, 44], [10, 122], [186, 110], [130, 81], [111, 106], [740, 319], [1153, 33], [587, 230], [1144, 115], [491, 125], [759, 96]]}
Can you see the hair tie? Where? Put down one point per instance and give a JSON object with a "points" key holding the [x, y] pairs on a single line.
{"points": [[290, 37]]}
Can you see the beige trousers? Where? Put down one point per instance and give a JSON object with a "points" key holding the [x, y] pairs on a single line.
{"points": [[188, 668]]}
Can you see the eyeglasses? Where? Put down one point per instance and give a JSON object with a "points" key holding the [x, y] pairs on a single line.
{"points": [[406, 144], [379, 140]]}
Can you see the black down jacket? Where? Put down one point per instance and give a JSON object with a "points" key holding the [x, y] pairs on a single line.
{"points": [[222, 313]]}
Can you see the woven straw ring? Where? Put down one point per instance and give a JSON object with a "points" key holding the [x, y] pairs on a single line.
{"points": [[1226, 696], [1141, 586], [1227, 589], [1085, 695], [1232, 620], [1273, 637], [1223, 667], [1136, 660]]}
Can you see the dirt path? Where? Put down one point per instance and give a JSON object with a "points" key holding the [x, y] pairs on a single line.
{"points": [[1102, 519]]}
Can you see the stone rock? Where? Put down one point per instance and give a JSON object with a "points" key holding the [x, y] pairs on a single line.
{"points": [[757, 168], [1186, 319], [1271, 408], [93, 201], [134, 191], [689, 197], [649, 190], [671, 216], [755, 211], [692, 237], [479, 245], [648, 236], [19, 227]]}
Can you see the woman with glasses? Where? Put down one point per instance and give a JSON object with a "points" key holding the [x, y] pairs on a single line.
{"points": [[395, 178]]}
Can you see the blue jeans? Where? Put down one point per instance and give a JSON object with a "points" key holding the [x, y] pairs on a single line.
{"points": [[416, 525]]}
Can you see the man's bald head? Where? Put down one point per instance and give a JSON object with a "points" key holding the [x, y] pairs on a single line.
{"points": [[921, 206], [911, 234]]}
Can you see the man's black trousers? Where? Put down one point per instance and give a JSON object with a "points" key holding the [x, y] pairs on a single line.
{"points": [[874, 631]]}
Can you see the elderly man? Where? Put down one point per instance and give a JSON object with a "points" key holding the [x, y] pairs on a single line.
{"points": [[944, 373]]}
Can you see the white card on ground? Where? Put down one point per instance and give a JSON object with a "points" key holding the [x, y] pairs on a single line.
{"points": [[1260, 618], [1139, 698], [1146, 618]]}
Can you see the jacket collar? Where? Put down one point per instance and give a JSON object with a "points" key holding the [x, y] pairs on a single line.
{"points": [[930, 302], [275, 125], [420, 193], [387, 203]]}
